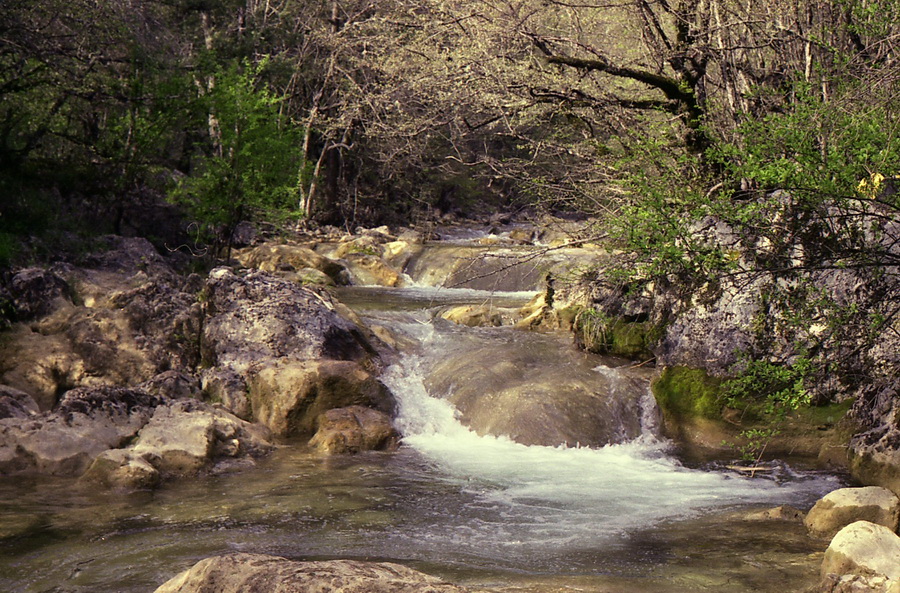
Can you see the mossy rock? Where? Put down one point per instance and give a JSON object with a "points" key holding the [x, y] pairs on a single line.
{"points": [[602, 334], [685, 392]]}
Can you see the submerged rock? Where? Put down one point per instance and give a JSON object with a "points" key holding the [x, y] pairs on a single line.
{"points": [[354, 429], [783, 512], [257, 573], [847, 505]]}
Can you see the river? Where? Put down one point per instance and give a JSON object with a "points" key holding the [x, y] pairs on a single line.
{"points": [[478, 509]]}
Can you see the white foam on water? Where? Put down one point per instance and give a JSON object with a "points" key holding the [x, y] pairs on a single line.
{"points": [[552, 495]]}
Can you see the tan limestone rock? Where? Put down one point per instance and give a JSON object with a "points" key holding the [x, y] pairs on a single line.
{"points": [[289, 395], [354, 429], [256, 573], [846, 505], [864, 548]]}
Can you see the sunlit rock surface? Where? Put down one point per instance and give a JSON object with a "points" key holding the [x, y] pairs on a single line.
{"points": [[354, 429], [256, 573], [289, 395], [864, 548], [276, 257], [847, 505]]}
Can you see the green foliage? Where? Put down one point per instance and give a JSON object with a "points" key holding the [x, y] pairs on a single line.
{"points": [[755, 442], [7, 248], [818, 150], [657, 223], [254, 165], [776, 388], [688, 393], [767, 392]]}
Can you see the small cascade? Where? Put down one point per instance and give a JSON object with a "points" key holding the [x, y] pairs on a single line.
{"points": [[524, 461], [557, 497]]}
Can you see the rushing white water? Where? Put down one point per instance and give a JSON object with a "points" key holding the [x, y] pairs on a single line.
{"points": [[532, 498]]}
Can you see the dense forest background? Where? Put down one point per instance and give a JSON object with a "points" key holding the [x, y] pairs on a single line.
{"points": [[646, 115]]}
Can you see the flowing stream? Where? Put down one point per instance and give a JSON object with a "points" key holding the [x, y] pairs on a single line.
{"points": [[474, 507]]}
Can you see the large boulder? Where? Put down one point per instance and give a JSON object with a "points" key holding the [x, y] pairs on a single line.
{"points": [[180, 439], [288, 395], [16, 404], [354, 429], [259, 317], [87, 422], [272, 257], [566, 402], [847, 505], [130, 318], [256, 573], [185, 436], [371, 270], [864, 548], [37, 292]]}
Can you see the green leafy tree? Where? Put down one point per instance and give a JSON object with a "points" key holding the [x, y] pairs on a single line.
{"points": [[252, 167]]}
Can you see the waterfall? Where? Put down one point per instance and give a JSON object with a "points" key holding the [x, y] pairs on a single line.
{"points": [[557, 495]]}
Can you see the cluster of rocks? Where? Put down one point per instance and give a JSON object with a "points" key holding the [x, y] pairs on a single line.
{"points": [[123, 372], [864, 552]]}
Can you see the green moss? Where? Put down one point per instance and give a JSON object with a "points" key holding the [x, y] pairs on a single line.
{"points": [[628, 339], [686, 392], [821, 416], [568, 315], [602, 334]]}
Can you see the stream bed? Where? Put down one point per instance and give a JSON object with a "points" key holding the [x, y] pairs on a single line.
{"points": [[475, 508]]}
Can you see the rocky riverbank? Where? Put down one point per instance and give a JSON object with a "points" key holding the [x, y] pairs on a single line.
{"points": [[122, 372]]}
